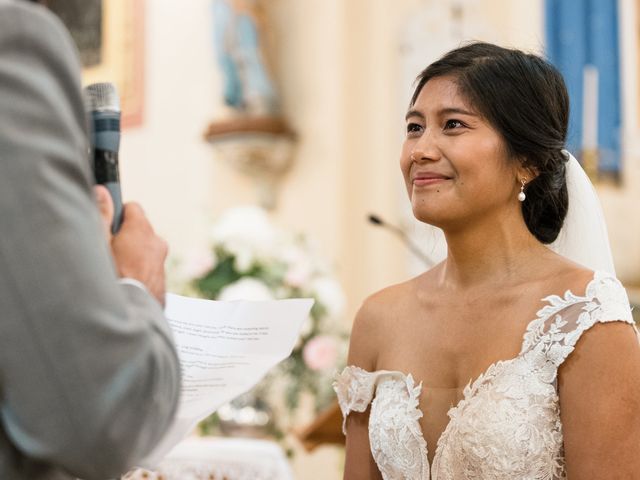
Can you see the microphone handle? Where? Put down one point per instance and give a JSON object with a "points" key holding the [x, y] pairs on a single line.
{"points": [[116, 195], [105, 140], [106, 173]]}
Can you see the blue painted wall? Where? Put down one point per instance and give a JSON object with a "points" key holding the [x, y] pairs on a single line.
{"points": [[578, 33]]}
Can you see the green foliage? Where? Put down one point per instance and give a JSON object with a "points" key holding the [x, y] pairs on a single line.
{"points": [[222, 275]]}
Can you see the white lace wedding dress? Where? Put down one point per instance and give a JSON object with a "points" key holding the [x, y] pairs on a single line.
{"points": [[507, 425]]}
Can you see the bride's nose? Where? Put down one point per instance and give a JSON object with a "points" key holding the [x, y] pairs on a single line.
{"points": [[426, 148]]}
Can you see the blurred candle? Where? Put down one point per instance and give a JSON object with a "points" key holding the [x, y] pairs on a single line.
{"points": [[590, 108]]}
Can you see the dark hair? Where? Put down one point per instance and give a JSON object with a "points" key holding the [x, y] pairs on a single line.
{"points": [[525, 99]]}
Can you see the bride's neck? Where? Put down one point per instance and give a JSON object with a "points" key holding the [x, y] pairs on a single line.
{"points": [[494, 253]]}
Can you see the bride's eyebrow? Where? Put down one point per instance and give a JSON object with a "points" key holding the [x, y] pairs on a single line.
{"points": [[414, 113], [441, 112], [461, 111]]}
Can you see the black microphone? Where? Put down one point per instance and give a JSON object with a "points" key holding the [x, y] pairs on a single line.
{"points": [[376, 220], [103, 108]]}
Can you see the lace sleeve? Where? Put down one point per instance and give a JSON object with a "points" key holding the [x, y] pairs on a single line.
{"points": [[611, 299], [605, 301], [355, 389]]}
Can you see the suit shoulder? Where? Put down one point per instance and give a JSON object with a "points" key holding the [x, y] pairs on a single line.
{"points": [[20, 16], [27, 25]]}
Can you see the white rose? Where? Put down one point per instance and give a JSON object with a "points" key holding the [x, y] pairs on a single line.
{"points": [[246, 289], [244, 257], [246, 229], [330, 294], [307, 326], [298, 275]]}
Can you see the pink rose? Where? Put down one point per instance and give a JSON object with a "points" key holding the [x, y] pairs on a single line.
{"points": [[320, 353]]}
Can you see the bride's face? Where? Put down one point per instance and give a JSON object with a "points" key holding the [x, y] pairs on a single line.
{"points": [[455, 164]]}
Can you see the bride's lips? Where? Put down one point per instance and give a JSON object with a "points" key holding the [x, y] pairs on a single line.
{"points": [[430, 178]]}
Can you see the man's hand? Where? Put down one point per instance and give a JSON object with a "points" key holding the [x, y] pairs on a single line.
{"points": [[105, 205], [137, 251]]}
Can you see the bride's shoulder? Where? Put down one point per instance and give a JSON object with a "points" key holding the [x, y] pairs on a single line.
{"points": [[389, 296], [378, 306], [374, 320], [587, 297], [392, 299], [563, 275], [574, 277]]}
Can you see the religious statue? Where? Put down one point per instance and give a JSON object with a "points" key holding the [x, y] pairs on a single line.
{"points": [[252, 134], [247, 83]]}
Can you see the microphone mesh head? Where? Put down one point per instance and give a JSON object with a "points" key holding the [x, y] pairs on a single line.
{"points": [[102, 96]]}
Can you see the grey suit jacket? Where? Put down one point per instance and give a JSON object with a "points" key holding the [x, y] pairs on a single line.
{"points": [[89, 377]]}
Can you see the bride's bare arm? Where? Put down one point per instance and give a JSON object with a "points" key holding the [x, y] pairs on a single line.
{"points": [[599, 387], [359, 464]]}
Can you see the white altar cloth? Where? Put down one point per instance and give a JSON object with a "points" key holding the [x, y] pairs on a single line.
{"points": [[213, 458]]}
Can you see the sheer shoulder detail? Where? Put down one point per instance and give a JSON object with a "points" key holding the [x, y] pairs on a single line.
{"points": [[561, 323]]}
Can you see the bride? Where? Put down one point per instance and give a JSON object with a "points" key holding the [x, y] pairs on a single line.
{"points": [[508, 360]]}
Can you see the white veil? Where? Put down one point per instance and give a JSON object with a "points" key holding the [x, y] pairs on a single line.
{"points": [[583, 237]]}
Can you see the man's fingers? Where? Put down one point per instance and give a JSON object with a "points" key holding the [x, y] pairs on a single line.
{"points": [[105, 206], [139, 253], [133, 209]]}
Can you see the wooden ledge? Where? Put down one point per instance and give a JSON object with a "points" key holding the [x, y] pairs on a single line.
{"points": [[245, 125], [325, 429]]}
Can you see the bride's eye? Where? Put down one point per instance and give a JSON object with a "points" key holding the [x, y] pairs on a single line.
{"points": [[453, 124], [413, 128]]}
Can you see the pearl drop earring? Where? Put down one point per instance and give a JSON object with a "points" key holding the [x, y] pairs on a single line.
{"points": [[521, 195]]}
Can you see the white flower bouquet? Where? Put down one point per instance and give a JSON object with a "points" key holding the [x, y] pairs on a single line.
{"points": [[252, 259]]}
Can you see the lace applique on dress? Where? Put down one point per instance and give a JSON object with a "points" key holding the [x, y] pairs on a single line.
{"points": [[395, 435], [508, 423], [355, 389]]}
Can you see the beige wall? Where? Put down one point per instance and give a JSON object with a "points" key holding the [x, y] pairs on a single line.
{"points": [[164, 164]]}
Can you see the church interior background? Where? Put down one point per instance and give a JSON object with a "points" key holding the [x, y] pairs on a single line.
{"points": [[307, 138]]}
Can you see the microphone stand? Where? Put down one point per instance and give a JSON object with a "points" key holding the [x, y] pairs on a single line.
{"points": [[400, 233]]}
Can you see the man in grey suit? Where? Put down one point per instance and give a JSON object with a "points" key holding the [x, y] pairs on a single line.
{"points": [[89, 377]]}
